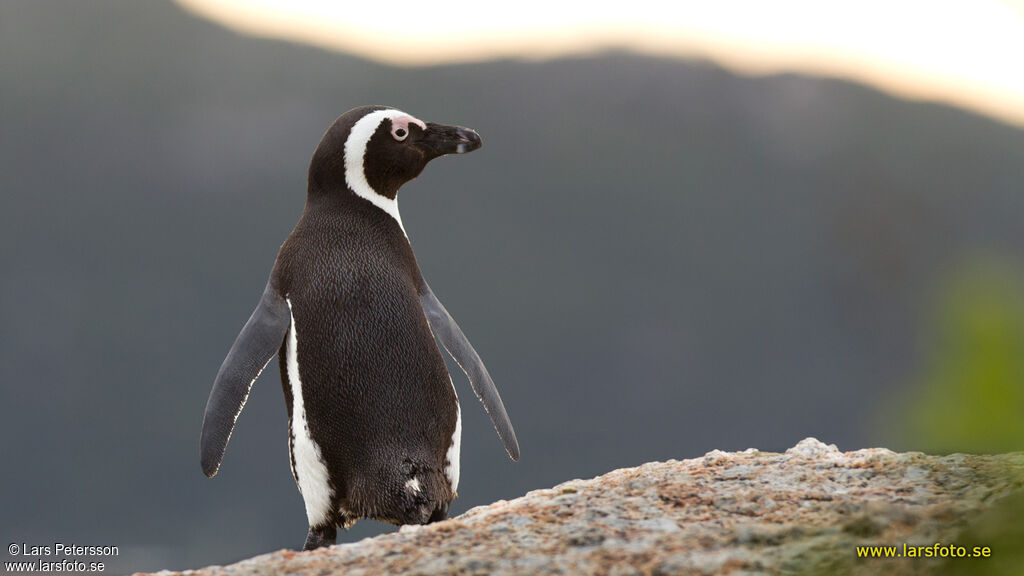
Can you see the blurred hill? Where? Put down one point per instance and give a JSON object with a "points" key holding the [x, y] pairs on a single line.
{"points": [[654, 257]]}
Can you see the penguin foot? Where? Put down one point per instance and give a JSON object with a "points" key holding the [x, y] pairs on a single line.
{"points": [[320, 537]]}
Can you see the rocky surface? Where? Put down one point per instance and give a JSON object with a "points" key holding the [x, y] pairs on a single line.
{"points": [[801, 512]]}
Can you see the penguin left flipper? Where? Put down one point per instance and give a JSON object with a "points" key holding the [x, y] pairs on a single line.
{"points": [[456, 343], [256, 344]]}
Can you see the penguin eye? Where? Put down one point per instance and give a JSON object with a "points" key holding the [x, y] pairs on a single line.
{"points": [[399, 133]]}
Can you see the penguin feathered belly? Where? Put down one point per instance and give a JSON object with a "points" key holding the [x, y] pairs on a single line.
{"points": [[373, 415]]}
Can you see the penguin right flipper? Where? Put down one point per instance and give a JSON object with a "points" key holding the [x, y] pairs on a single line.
{"points": [[256, 344], [456, 343]]}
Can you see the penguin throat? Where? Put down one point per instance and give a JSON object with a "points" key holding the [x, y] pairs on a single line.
{"points": [[355, 163], [389, 205]]}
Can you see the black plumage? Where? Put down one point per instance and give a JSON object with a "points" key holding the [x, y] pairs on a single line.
{"points": [[377, 398]]}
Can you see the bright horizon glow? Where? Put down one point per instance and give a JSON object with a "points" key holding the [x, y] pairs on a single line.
{"points": [[968, 53]]}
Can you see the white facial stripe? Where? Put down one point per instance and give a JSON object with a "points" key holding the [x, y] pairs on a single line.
{"points": [[355, 155], [310, 470]]}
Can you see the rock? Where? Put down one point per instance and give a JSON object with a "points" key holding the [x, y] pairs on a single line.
{"points": [[801, 512]]}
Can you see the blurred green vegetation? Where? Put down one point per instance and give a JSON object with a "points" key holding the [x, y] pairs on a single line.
{"points": [[969, 396]]}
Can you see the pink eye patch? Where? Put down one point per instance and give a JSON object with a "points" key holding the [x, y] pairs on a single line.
{"points": [[400, 126]]}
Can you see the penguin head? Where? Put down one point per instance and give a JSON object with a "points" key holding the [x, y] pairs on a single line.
{"points": [[374, 150]]}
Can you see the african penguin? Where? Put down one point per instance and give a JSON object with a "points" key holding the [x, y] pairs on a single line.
{"points": [[374, 420]]}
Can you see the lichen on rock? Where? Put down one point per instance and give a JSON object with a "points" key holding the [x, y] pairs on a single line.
{"points": [[800, 512]]}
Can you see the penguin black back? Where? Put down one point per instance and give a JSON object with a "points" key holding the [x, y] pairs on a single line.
{"points": [[374, 420], [376, 397]]}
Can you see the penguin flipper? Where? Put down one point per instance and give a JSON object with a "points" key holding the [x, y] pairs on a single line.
{"points": [[256, 344], [456, 343]]}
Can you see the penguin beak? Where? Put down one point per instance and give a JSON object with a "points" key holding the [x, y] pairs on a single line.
{"points": [[439, 139]]}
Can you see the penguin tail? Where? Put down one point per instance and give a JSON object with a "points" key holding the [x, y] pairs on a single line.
{"points": [[427, 497]]}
